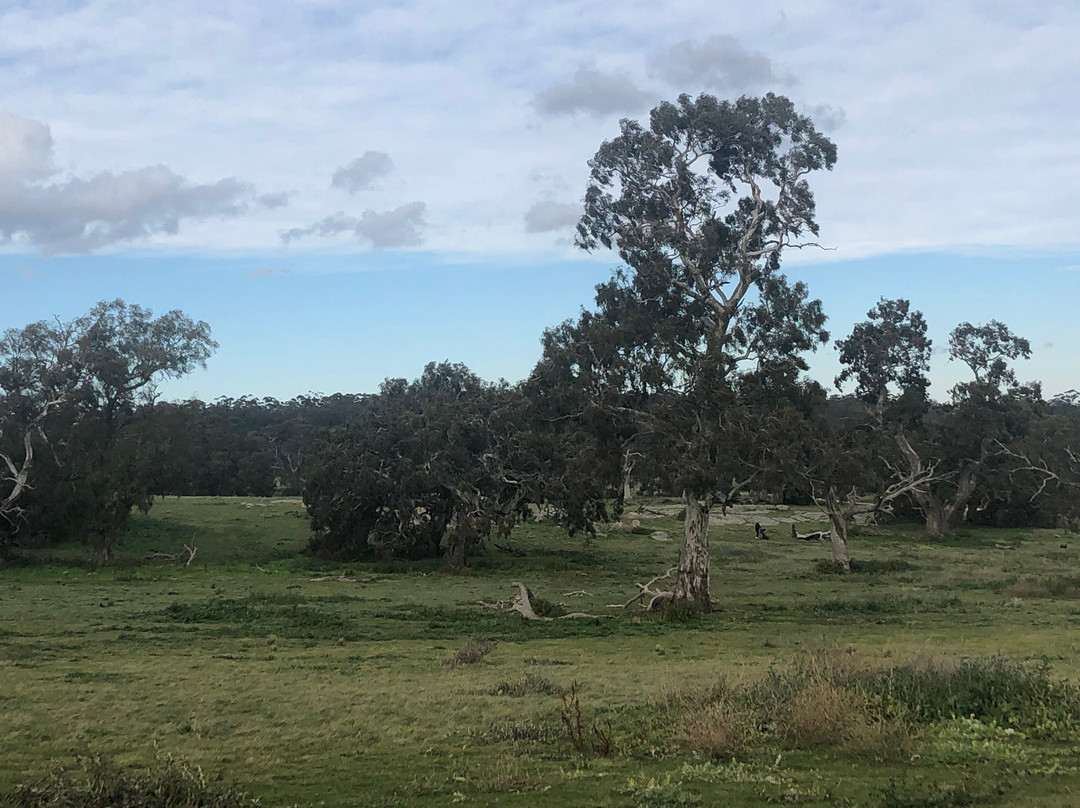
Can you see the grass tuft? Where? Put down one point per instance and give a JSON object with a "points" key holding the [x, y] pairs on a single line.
{"points": [[103, 784], [471, 652], [529, 684]]}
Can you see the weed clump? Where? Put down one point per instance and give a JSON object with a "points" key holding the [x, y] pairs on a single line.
{"points": [[1012, 694], [1062, 587], [546, 608], [472, 652], [103, 784], [938, 795], [679, 611], [515, 731], [838, 701], [826, 566], [597, 742], [529, 684], [663, 792], [292, 616]]}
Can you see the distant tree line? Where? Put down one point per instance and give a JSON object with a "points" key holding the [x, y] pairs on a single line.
{"points": [[686, 378]]}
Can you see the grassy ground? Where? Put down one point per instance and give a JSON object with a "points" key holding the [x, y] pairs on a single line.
{"points": [[335, 692]]}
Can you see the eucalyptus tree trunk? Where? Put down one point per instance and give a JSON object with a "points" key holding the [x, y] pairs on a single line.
{"points": [[103, 546], [838, 527], [692, 580], [461, 537], [937, 517], [627, 471], [941, 514]]}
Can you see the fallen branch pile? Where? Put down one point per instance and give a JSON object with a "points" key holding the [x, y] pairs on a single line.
{"points": [[522, 604], [153, 555], [658, 599]]}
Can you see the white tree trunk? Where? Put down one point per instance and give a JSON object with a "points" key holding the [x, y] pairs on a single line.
{"points": [[692, 581]]}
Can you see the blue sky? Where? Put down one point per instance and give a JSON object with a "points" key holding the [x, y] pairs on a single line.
{"points": [[347, 190]]}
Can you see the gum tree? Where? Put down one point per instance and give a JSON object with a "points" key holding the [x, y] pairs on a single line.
{"points": [[699, 205], [426, 467], [68, 391], [970, 440], [942, 451]]}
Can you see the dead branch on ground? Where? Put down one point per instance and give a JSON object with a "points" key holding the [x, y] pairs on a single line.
{"points": [[191, 549], [522, 604], [658, 599]]}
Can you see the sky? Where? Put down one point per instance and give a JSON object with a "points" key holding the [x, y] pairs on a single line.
{"points": [[346, 191]]}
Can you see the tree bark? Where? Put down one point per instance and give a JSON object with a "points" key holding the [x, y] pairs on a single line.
{"points": [[940, 514], [103, 546], [461, 537], [838, 525], [937, 518], [627, 471], [692, 581]]}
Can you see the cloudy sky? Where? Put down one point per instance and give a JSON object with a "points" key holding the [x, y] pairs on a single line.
{"points": [[347, 190]]}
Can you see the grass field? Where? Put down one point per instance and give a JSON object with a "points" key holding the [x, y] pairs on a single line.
{"points": [[798, 689]]}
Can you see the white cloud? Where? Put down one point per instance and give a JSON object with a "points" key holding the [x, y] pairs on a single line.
{"points": [[26, 149], [273, 200], [81, 215], [362, 172], [546, 215], [719, 64], [825, 116], [400, 227], [939, 146], [267, 272], [593, 93]]}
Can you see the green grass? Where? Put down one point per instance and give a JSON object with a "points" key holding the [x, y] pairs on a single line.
{"points": [[337, 693]]}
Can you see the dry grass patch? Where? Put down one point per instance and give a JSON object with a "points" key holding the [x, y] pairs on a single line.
{"points": [[1060, 587], [472, 652]]}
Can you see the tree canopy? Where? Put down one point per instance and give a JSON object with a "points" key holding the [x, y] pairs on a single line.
{"points": [[67, 389], [699, 205]]}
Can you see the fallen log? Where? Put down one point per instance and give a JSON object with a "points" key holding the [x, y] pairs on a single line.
{"points": [[816, 536]]}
